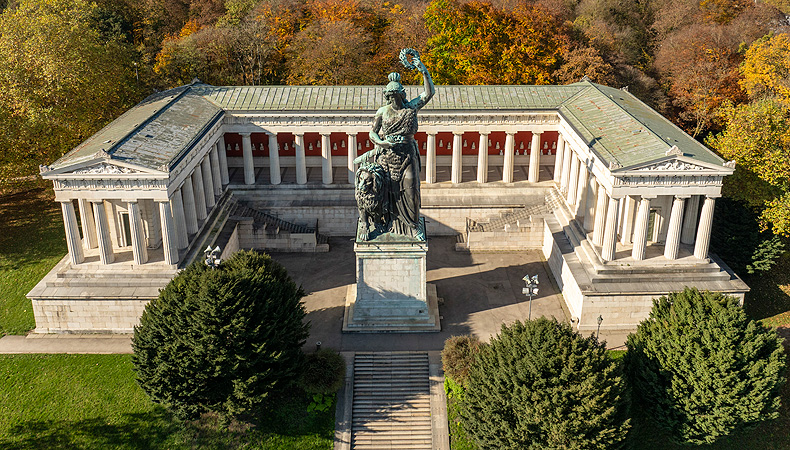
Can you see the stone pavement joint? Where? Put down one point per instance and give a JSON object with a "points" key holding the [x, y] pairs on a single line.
{"points": [[97, 344]]}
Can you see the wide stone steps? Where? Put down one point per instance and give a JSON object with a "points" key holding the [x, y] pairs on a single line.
{"points": [[391, 406]]}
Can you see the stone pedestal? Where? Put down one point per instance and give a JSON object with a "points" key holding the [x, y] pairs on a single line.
{"points": [[391, 293]]}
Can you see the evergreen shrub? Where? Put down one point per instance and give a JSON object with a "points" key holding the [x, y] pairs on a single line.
{"points": [[221, 340], [324, 372], [458, 355], [540, 385], [702, 369]]}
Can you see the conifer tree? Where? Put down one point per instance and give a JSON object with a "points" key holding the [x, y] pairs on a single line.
{"points": [[221, 339], [702, 368], [540, 385]]}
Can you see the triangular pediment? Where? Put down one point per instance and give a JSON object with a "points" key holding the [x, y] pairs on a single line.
{"points": [[676, 164], [97, 166]]}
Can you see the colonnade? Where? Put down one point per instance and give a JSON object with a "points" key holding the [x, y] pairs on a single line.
{"points": [[179, 217], [429, 163], [608, 217]]}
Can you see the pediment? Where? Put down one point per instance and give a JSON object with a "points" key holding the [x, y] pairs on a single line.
{"points": [[105, 168], [97, 167], [678, 164]]}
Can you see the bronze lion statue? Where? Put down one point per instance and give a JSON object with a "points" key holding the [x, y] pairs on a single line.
{"points": [[370, 193]]}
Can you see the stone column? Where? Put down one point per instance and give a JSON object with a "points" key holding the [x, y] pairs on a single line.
{"points": [[703, 232], [190, 208], [301, 162], [558, 159], [200, 196], [566, 169], [534, 158], [600, 215], [169, 238], [208, 183], [326, 159], [103, 233], [352, 155], [589, 213], [581, 191], [223, 161], [482, 158], [88, 224], [457, 167], [507, 170], [179, 219], [610, 234], [249, 166], [627, 227], [215, 175], [139, 250], [690, 220], [274, 159], [573, 180], [73, 242], [640, 229], [672, 245], [430, 164]]}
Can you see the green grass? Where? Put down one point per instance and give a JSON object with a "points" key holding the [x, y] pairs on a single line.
{"points": [[93, 402], [32, 241]]}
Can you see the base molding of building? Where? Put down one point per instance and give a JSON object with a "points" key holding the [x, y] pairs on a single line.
{"points": [[404, 324]]}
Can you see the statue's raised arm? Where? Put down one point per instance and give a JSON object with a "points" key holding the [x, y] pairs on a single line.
{"points": [[416, 63]]}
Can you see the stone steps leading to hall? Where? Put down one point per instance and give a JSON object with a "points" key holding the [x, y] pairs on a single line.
{"points": [[391, 407]]}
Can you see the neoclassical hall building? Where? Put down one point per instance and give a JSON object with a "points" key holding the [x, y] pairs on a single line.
{"points": [[619, 201]]}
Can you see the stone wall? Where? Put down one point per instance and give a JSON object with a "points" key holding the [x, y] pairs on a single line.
{"points": [[87, 316]]}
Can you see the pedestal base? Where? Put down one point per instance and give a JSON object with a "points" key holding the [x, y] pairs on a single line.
{"points": [[365, 322]]}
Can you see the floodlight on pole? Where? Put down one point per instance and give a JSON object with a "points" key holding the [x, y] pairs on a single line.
{"points": [[531, 289], [600, 320], [212, 256]]}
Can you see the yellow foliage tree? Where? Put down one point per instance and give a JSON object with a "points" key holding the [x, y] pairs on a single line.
{"points": [[766, 68]]}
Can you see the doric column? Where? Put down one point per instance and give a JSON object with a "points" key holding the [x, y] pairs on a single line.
{"points": [[507, 170], [566, 169], [534, 158], [215, 175], [690, 220], [208, 183], [88, 224], [600, 215], [200, 196], [627, 227], [326, 159], [610, 234], [457, 168], [179, 219], [103, 233], [139, 251], [73, 242], [673, 232], [190, 208], [640, 229], [301, 162], [558, 159], [589, 213], [223, 161], [573, 180], [430, 164], [703, 232], [482, 158], [169, 238], [274, 159], [581, 192], [246, 152], [352, 155]]}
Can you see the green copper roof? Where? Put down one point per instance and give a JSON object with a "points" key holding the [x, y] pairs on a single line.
{"points": [[617, 126]]}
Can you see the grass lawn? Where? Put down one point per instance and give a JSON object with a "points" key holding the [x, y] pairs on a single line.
{"points": [[93, 402], [32, 241]]}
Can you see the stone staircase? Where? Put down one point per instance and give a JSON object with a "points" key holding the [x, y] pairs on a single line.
{"points": [[391, 406]]}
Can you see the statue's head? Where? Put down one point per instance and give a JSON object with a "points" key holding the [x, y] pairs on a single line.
{"points": [[394, 88]]}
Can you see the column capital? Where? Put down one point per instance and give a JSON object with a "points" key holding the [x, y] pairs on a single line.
{"points": [[458, 133], [271, 133], [511, 133], [431, 133], [101, 200], [683, 196], [536, 132], [325, 133], [713, 196], [484, 133], [245, 133]]}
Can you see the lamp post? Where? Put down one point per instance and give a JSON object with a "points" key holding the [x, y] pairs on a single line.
{"points": [[600, 319], [212, 256], [530, 290]]}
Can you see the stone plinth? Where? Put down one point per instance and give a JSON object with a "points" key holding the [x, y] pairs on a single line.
{"points": [[391, 293]]}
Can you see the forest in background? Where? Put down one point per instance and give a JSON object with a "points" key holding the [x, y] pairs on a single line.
{"points": [[720, 69]]}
